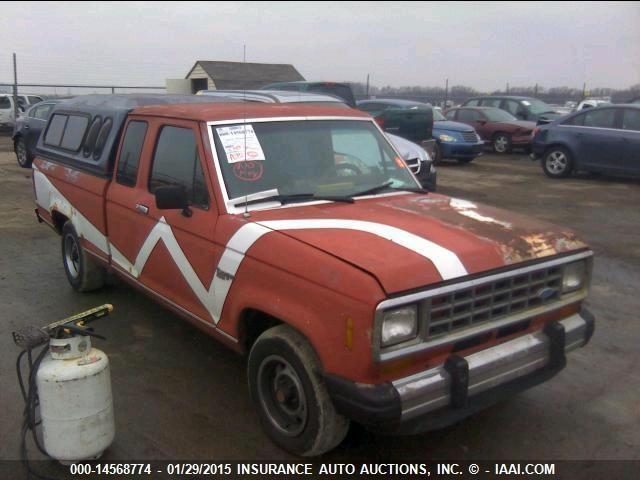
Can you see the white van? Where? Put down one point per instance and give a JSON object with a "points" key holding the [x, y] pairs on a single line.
{"points": [[6, 107]]}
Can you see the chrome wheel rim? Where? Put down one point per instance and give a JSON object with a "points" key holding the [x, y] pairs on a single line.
{"points": [[282, 396], [22, 153], [557, 162], [72, 256], [501, 143]]}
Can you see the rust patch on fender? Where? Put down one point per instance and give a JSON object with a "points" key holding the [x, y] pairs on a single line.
{"points": [[516, 237], [536, 245]]}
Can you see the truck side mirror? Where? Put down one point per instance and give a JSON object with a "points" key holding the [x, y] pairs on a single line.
{"points": [[173, 197]]}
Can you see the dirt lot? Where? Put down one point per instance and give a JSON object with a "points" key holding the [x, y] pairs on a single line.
{"points": [[180, 395]]}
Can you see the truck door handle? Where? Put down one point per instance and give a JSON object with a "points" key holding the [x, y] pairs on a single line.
{"points": [[142, 208]]}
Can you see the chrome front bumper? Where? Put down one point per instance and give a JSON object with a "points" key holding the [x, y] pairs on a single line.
{"points": [[452, 383]]}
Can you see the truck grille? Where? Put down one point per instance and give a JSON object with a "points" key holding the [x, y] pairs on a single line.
{"points": [[490, 301], [469, 136]]}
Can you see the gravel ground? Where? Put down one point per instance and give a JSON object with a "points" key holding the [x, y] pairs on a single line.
{"points": [[180, 395]]}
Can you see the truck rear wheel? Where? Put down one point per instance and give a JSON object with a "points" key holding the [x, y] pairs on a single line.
{"points": [[289, 393], [83, 273]]}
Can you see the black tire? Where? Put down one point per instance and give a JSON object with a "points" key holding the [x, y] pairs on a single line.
{"points": [[290, 396], [83, 273], [557, 163], [501, 143], [437, 154], [22, 154]]}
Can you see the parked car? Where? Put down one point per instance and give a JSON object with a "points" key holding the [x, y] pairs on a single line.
{"points": [[405, 118], [27, 130], [590, 103], [523, 108], [453, 140], [298, 238], [342, 90], [7, 116], [600, 139], [418, 160], [563, 109], [496, 127]]}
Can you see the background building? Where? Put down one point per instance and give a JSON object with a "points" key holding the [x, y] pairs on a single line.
{"points": [[213, 75]]}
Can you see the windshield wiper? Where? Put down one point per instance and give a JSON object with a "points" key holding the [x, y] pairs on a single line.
{"points": [[388, 185], [296, 197]]}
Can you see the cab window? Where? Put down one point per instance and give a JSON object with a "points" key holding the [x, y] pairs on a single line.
{"points": [[176, 162], [474, 102]]}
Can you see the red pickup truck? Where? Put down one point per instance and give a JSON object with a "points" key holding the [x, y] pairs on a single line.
{"points": [[296, 234]]}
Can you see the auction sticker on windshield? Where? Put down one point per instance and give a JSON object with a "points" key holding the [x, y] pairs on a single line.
{"points": [[240, 143]]}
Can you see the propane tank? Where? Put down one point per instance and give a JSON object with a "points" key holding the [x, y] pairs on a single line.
{"points": [[76, 406]]}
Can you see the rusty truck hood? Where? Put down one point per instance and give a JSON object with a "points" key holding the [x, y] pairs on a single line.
{"points": [[409, 241]]}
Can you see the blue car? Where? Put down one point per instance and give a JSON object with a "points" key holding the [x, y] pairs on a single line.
{"points": [[453, 140], [602, 139]]}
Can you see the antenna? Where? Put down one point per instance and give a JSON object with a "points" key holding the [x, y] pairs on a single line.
{"points": [[244, 122]]}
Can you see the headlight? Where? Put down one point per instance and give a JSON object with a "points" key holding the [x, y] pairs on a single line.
{"points": [[447, 138], [399, 325], [574, 276]]}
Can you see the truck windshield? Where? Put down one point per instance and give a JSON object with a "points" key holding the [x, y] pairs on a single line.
{"points": [[308, 157]]}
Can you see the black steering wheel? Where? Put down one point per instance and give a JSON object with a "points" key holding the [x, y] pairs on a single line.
{"points": [[340, 169]]}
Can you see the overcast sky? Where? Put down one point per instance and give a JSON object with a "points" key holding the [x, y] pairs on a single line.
{"points": [[398, 43]]}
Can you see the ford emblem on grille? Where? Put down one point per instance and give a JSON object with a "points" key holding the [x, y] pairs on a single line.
{"points": [[547, 293]]}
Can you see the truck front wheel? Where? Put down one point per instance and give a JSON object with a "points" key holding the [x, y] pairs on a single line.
{"points": [[83, 273], [289, 393]]}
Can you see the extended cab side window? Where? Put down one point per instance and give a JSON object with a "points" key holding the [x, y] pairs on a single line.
{"points": [[176, 162], [127, 172]]}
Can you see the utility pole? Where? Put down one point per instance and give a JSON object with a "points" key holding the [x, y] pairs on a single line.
{"points": [[535, 92], [584, 91], [15, 89], [367, 86], [446, 94]]}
